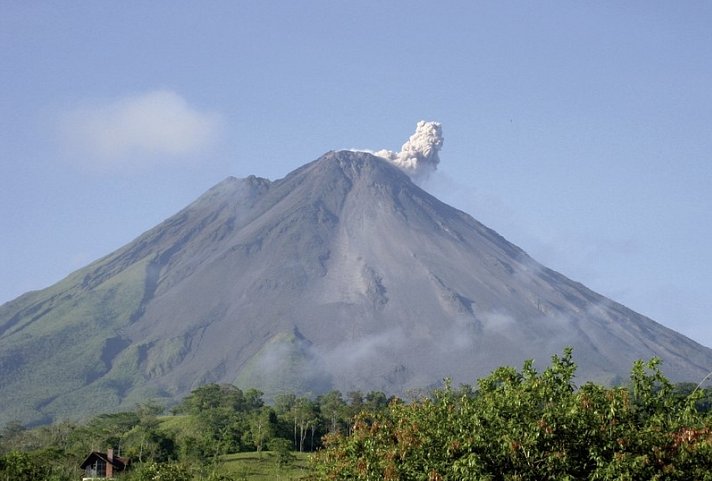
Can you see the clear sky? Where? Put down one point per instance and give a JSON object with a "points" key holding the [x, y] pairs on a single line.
{"points": [[581, 131]]}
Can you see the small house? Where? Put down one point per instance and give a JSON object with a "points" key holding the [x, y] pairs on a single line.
{"points": [[103, 465]]}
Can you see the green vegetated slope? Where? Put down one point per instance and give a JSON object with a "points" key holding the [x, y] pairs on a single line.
{"points": [[283, 364], [63, 347]]}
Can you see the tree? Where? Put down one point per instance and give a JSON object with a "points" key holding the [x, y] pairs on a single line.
{"points": [[283, 450], [145, 441], [212, 396], [103, 431], [284, 402], [262, 427], [703, 403], [526, 425], [355, 401], [333, 409], [253, 400], [18, 466], [304, 413], [222, 430], [375, 401]]}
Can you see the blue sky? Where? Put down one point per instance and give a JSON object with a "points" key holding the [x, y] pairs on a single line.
{"points": [[581, 131]]}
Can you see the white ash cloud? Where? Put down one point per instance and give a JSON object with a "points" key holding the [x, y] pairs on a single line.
{"points": [[419, 154]]}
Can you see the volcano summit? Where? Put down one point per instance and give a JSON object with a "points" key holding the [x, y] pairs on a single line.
{"points": [[342, 275]]}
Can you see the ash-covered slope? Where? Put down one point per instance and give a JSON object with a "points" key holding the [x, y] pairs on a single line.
{"points": [[343, 275]]}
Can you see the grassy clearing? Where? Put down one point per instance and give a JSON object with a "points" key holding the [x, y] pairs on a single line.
{"points": [[176, 423], [264, 467]]}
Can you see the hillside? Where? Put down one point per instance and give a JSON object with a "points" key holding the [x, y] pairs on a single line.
{"points": [[342, 275]]}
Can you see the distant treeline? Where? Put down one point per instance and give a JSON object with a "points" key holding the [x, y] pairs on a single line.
{"points": [[513, 425], [211, 421]]}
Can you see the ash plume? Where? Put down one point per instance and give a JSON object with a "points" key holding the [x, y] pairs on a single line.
{"points": [[419, 154]]}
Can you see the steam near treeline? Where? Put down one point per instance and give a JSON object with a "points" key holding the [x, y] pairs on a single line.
{"points": [[513, 424]]}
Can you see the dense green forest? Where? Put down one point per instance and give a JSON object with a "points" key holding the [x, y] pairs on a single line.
{"points": [[511, 425], [190, 441]]}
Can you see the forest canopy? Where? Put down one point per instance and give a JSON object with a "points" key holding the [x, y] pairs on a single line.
{"points": [[526, 425], [512, 425]]}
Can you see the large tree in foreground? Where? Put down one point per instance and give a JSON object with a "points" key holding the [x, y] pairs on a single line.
{"points": [[526, 425]]}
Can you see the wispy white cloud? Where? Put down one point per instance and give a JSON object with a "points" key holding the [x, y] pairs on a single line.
{"points": [[147, 128]]}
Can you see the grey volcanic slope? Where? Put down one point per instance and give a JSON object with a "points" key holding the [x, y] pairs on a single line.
{"points": [[342, 275]]}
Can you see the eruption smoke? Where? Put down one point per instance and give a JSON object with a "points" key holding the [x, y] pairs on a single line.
{"points": [[419, 155]]}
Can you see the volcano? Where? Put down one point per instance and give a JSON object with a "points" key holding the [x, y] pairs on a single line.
{"points": [[342, 275]]}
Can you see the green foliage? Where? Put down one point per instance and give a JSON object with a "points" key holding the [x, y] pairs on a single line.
{"points": [[44, 336], [262, 426], [334, 411], [283, 450], [525, 425], [38, 466], [515, 425], [161, 472], [19, 466], [702, 396], [223, 419], [219, 477], [104, 431], [210, 397]]}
